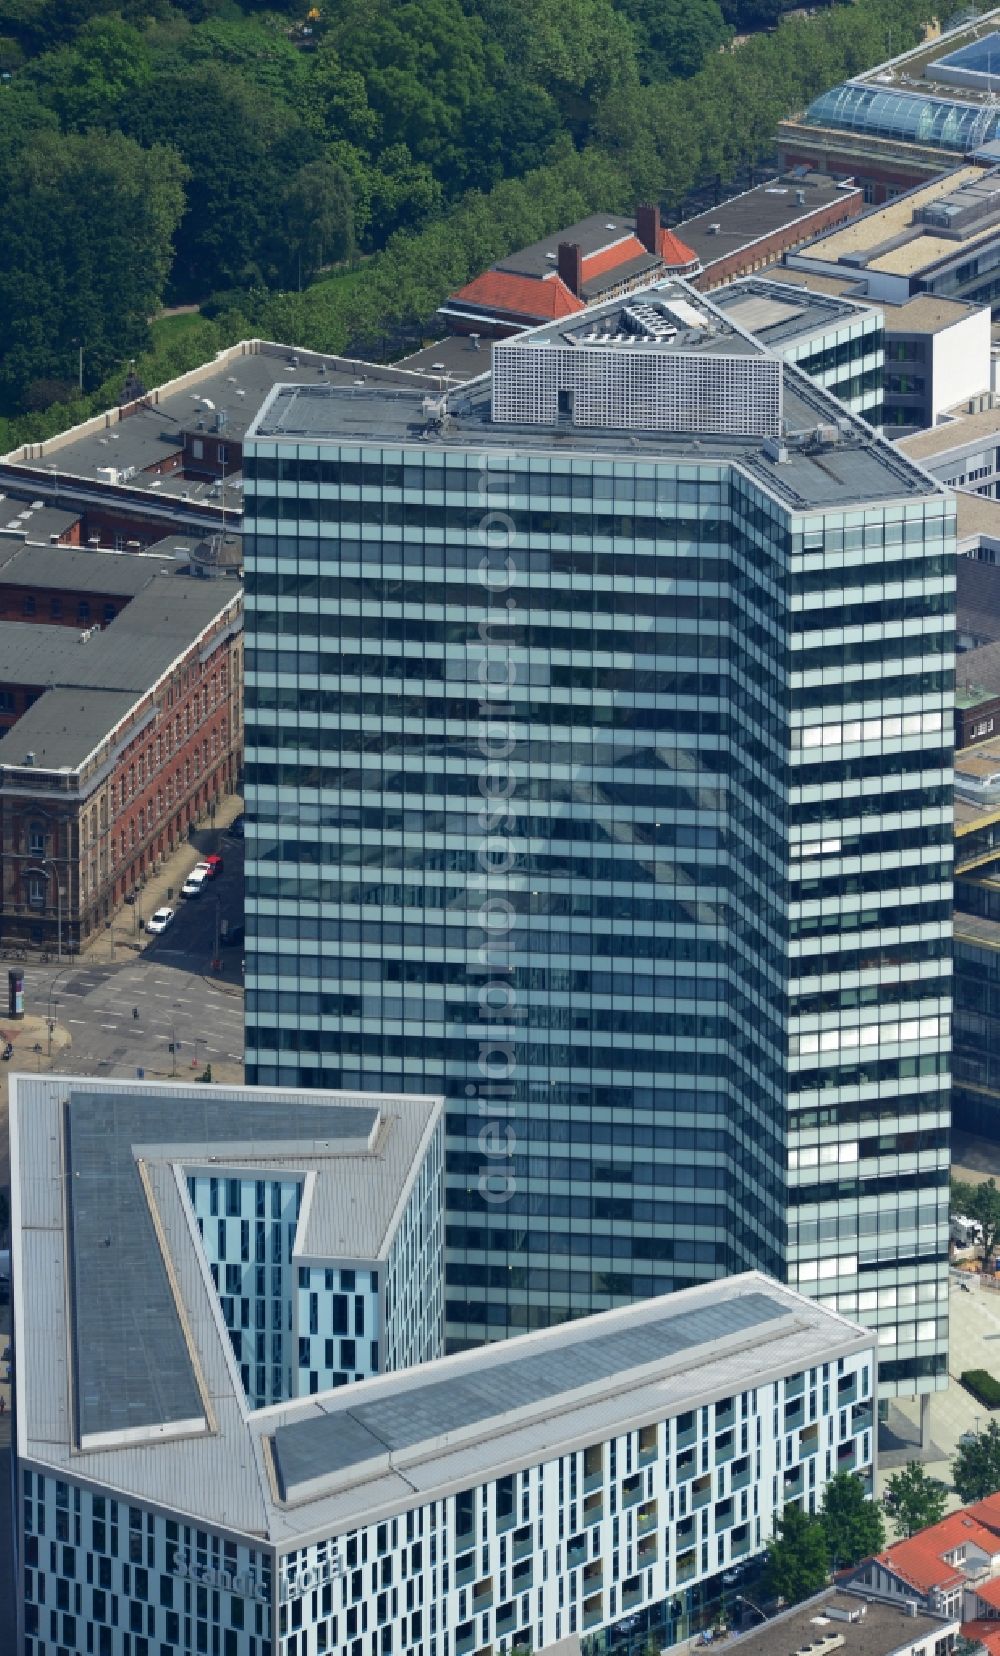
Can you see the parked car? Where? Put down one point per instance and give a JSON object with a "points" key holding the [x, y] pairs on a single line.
{"points": [[159, 921], [213, 866], [236, 828], [192, 886]]}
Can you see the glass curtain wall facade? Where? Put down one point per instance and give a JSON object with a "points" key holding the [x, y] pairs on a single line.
{"points": [[564, 800]]}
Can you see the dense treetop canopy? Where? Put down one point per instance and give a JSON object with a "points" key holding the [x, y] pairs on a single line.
{"points": [[232, 151]]}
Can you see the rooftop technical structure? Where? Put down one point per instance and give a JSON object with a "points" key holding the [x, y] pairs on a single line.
{"points": [[664, 360]]}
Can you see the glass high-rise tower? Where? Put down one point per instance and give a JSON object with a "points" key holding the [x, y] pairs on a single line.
{"points": [[598, 777]]}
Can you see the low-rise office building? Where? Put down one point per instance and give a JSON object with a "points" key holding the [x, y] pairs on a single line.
{"points": [[166, 460], [121, 723], [589, 1480], [936, 351], [963, 450], [743, 235], [853, 1625], [839, 343], [941, 238], [605, 255], [977, 695]]}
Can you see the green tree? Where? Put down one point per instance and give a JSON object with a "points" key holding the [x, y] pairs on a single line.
{"points": [[578, 51], [982, 1203], [316, 221], [852, 1524], [88, 82], [975, 1471], [913, 1500], [240, 147], [428, 71], [798, 1563], [676, 36], [85, 253]]}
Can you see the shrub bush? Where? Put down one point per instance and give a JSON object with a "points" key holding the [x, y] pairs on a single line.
{"points": [[983, 1386]]}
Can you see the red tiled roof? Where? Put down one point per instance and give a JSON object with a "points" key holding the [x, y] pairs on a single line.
{"points": [[920, 1560], [986, 1633], [988, 1591], [609, 258], [673, 251], [987, 1512], [547, 299]]}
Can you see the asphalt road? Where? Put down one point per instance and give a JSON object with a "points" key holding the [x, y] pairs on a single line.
{"points": [[122, 1015]]}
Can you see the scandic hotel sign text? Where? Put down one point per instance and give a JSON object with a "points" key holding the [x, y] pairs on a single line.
{"points": [[252, 1583]]}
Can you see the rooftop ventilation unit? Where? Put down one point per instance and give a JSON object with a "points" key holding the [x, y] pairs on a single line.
{"points": [[714, 229], [29, 758]]}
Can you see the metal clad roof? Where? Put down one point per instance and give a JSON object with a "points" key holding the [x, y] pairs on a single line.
{"points": [[415, 1412], [133, 1369], [223, 1475]]}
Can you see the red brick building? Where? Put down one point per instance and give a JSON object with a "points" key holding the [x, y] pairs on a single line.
{"points": [[601, 257], [133, 732]]}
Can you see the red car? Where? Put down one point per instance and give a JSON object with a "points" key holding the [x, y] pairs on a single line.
{"points": [[214, 866]]}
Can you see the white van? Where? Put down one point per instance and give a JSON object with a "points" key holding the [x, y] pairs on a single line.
{"points": [[195, 880]]}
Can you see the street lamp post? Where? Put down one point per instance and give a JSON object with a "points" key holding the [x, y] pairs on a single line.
{"points": [[50, 862]]}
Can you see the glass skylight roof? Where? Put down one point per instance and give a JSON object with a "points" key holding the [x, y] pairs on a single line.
{"points": [[940, 123], [975, 64]]}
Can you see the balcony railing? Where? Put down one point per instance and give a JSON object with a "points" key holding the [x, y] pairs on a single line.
{"points": [[742, 1474], [593, 1610], [725, 1449], [687, 1567], [576, 1552]]}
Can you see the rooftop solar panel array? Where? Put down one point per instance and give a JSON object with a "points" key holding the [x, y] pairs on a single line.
{"points": [[347, 1437]]}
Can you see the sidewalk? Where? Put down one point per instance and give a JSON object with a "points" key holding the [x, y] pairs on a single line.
{"points": [[127, 935], [974, 1342]]}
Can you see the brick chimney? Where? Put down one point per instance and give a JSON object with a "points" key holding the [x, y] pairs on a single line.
{"points": [[570, 267], [647, 227]]}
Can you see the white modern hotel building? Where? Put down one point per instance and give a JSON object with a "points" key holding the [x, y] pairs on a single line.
{"points": [[599, 1479]]}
